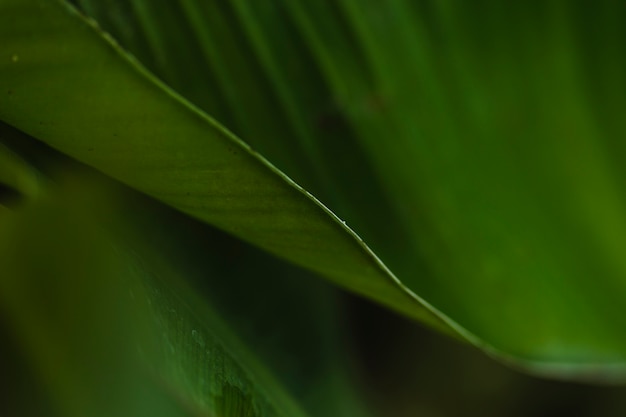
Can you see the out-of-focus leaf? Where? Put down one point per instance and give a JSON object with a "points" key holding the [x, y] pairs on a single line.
{"points": [[139, 310], [18, 180], [64, 303], [289, 320]]}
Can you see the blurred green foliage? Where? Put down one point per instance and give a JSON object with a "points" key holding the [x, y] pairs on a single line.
{"points": [[475, 147]]}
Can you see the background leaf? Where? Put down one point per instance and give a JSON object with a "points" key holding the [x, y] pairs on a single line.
{"points": [[17, 179], [121, 318]]}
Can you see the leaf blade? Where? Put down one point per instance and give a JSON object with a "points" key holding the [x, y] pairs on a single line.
{"points": [[203, 177]]}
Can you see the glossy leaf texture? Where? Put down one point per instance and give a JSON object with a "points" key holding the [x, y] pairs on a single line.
{"points": [[118, 314], [473, 146]]}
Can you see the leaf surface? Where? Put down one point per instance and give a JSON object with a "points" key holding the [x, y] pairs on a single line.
{"points": [[495, 187], [120, 319]]}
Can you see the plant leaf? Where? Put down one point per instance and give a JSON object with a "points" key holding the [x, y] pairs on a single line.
{"points": [[145, 135], [508, 231], [501, 221], [125, 317], [62, 304], [17, 179]]}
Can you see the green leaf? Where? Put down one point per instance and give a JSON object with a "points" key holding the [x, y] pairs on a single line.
{"points": [[123, 319], [495, 182], [67, 312], [17, 179], [147, 136]]}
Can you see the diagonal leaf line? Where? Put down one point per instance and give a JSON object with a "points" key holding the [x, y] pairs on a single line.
{"points": [[451, 187]]}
